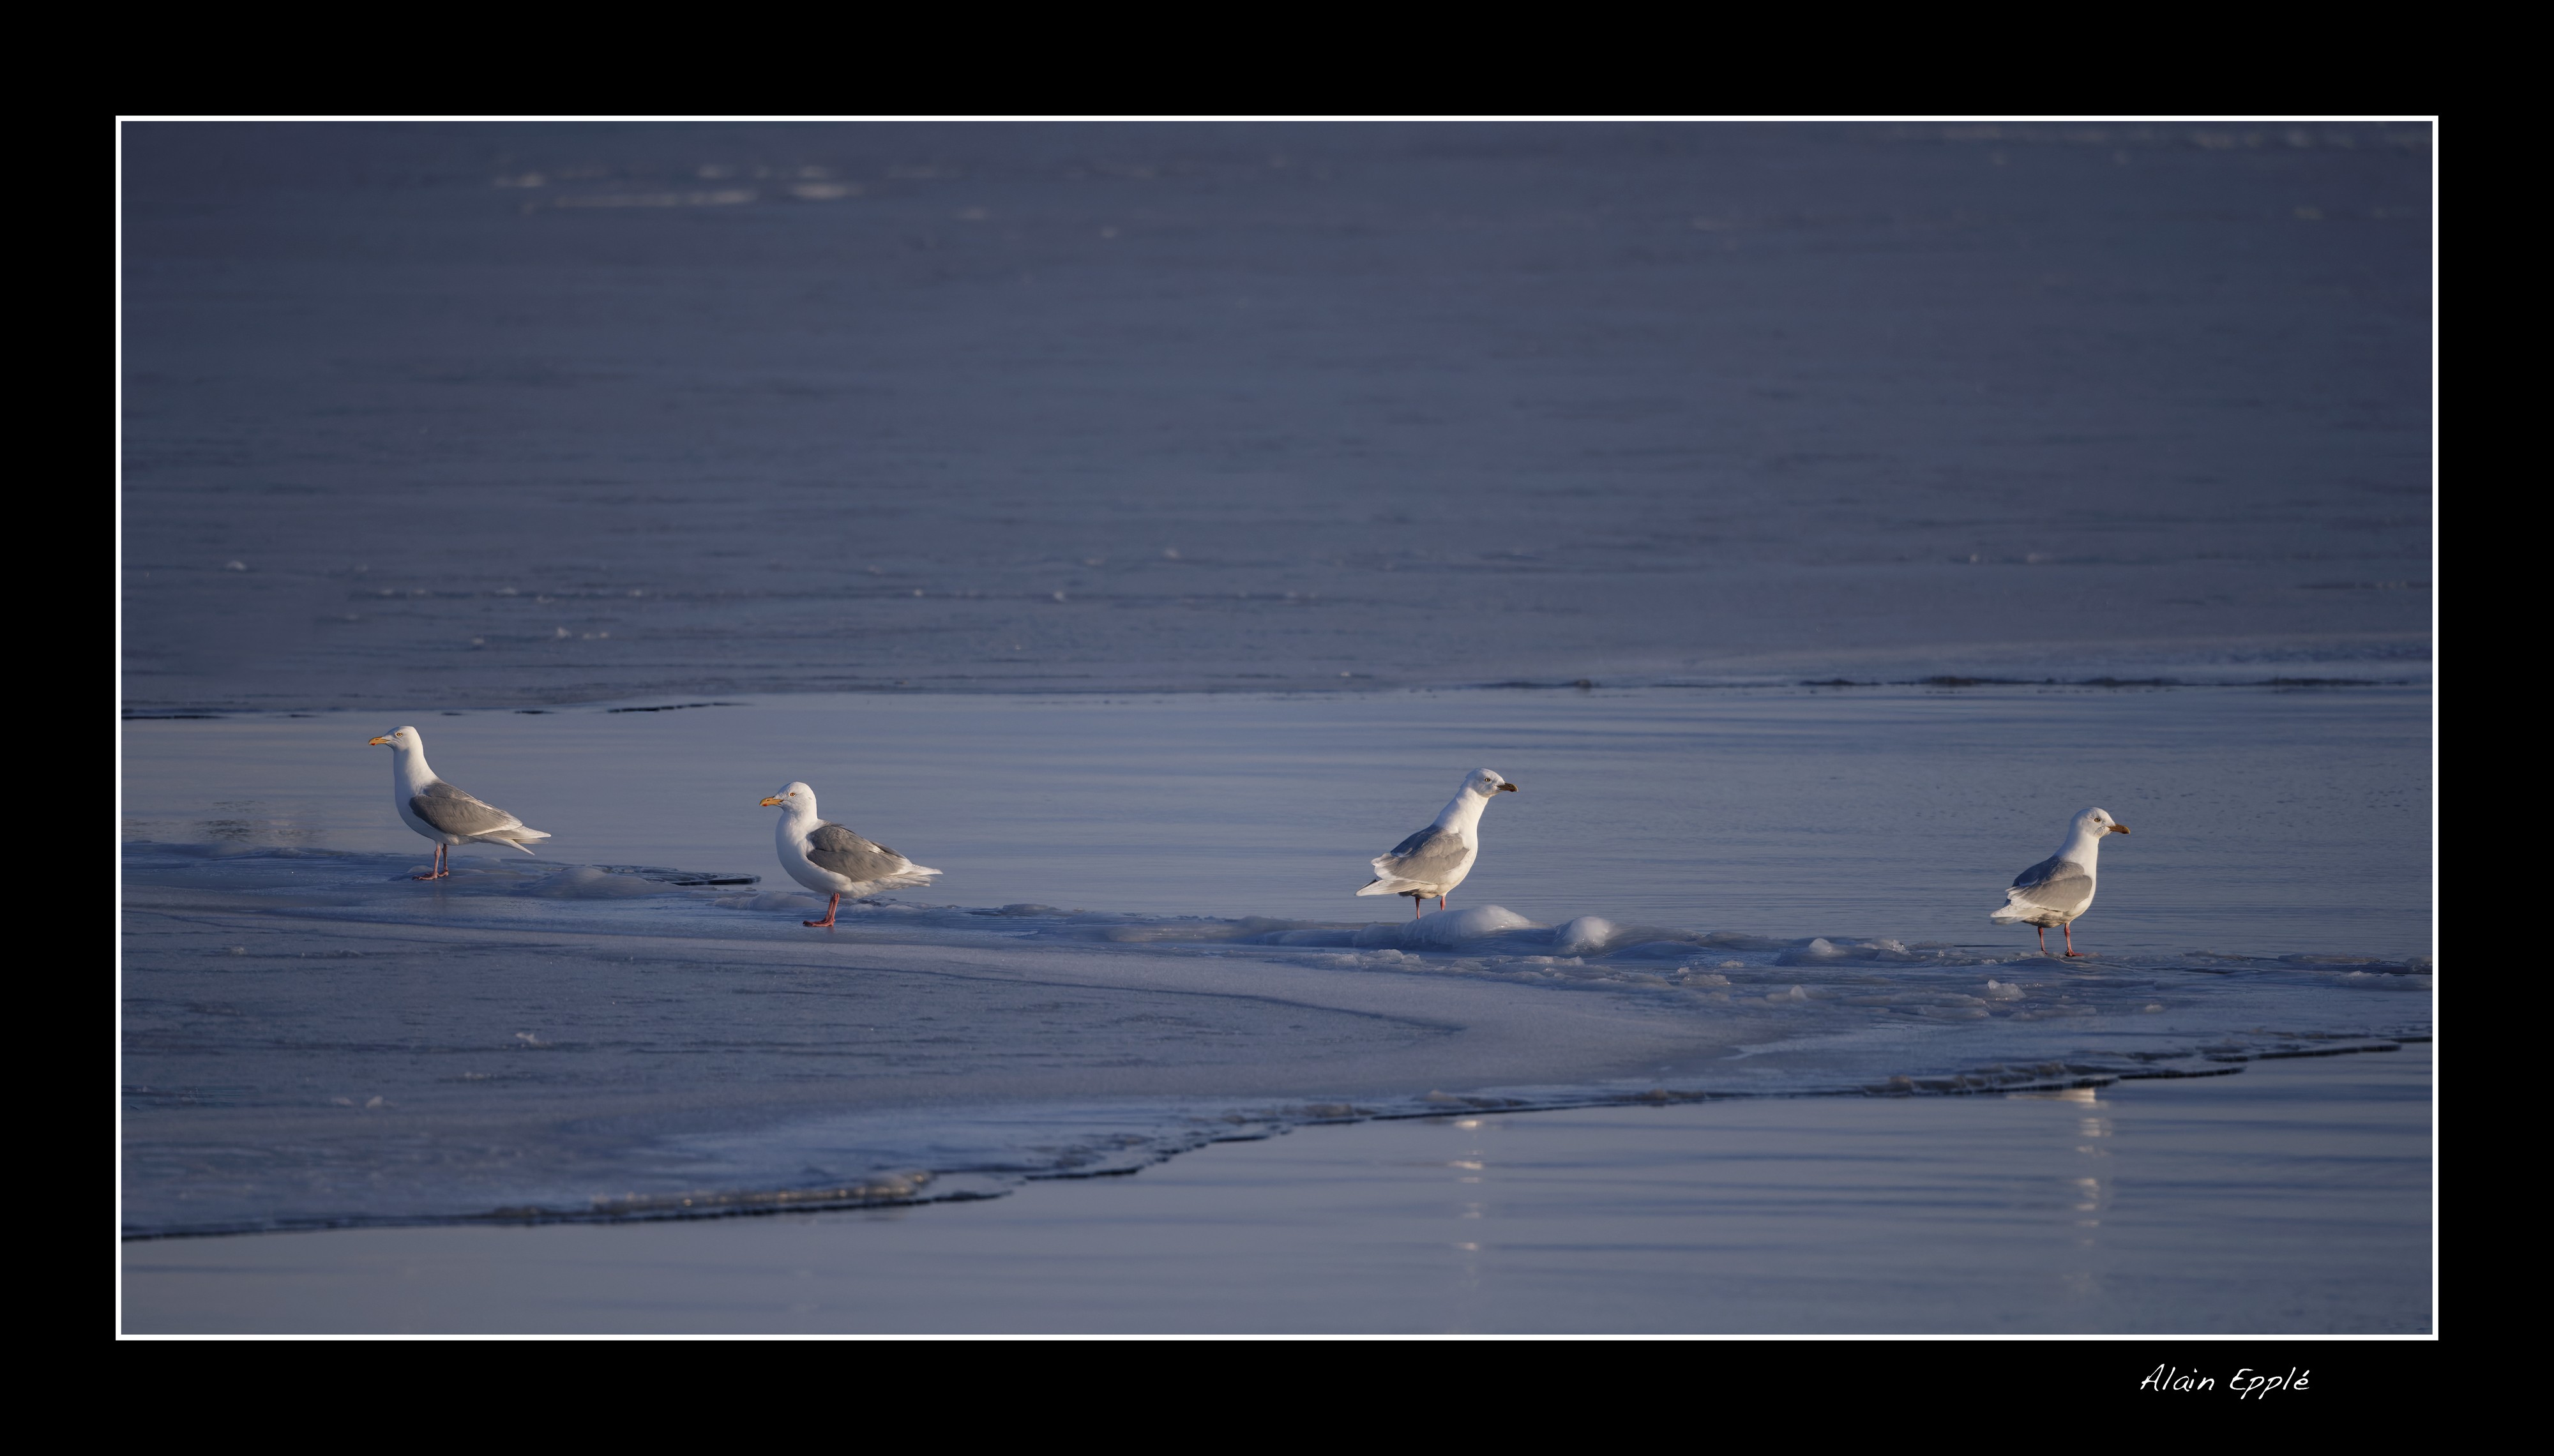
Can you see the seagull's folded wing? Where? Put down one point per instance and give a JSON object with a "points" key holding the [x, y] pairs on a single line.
{"points": [[456, 813], [837, 849], [1426, 857], [2052, 884]]}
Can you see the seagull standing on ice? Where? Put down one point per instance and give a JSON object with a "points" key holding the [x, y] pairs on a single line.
{"points": [[442, 813], [2060, 887], [1434, 860], [832, 861]]}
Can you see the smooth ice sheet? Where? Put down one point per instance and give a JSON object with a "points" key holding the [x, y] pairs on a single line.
{"points": [[2267, 822]]}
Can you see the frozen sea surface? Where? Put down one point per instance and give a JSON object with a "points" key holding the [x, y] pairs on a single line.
{"points": [[507, 415], [1145, 941]]}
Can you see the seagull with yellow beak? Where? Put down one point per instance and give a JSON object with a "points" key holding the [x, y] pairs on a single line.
{"points": [[442, 813], [832, 861]]}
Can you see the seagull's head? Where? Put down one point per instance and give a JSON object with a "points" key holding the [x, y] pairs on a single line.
{"points": [[1487, 783], [796, 796], [2099, 822], [404, 737]]}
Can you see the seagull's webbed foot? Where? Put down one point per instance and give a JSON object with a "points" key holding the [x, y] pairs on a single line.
{"points": [[828, 921]]}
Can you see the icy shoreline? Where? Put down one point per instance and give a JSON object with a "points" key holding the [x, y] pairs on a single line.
{"points": [[1477, 1009], [1145, 939]]}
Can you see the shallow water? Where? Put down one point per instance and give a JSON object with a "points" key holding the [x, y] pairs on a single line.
{"points": [[1145, 938], [2293, 1199]]}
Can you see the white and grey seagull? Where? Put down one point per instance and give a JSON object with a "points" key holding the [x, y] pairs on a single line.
{"points": [[1435, 860], [832, 861], [2060, 887], [442, 813]]}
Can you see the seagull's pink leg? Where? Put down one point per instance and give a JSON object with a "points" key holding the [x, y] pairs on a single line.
{"points": [[1441, 902], [830, 908], [1414, 907], [2044, 938], [2070, 939]]}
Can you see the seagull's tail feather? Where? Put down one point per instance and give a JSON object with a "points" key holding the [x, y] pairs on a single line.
{"points": [[1382, 885], [515, 837]]}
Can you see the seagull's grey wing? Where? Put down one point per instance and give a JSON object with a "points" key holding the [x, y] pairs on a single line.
{"points": [[2052, 884], [456, 813], [1425, 857], [837, 849]]}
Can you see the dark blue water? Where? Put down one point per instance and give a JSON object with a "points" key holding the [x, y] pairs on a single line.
{"points": [[460, 415]]}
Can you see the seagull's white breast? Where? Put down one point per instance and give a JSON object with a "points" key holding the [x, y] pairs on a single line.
{"points": [[792, 842], [408, 775]]}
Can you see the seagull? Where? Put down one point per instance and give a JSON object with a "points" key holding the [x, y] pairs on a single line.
{"points": [[1434, 860], [832, 861], [442, 813], [2060, 887]]}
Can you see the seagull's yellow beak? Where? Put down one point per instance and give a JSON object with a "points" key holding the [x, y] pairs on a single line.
{"points": [[375, 742], [2118, 829], [768, 803]]}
